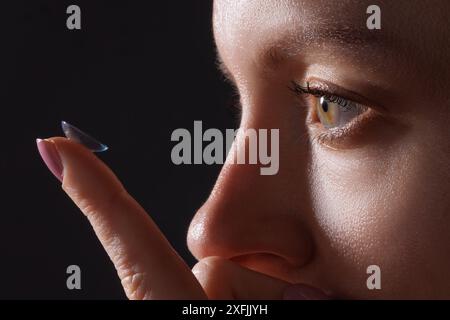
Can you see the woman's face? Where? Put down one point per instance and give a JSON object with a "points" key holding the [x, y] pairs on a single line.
{"points": [[364, 168]]}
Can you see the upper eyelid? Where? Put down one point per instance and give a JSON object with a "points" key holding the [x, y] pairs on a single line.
{"points": [[297, 88], [329, 96], [326, 91]]}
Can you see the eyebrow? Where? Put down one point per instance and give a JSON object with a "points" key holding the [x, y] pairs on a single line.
{"points": [[342, 36]]}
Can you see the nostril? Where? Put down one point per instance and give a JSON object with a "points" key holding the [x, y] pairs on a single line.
{"points": [[214, 233], [270, 264]]}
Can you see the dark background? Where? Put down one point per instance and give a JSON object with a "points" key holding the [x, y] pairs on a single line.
{"points": [[136, 71]]}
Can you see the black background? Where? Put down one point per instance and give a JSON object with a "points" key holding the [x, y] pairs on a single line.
{"points": [[136, 71]]}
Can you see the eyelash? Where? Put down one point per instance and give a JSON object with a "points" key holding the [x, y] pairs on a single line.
{"points": [[300, 90]]}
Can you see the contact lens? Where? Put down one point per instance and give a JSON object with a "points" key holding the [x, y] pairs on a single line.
{"points": [[75, 134]]}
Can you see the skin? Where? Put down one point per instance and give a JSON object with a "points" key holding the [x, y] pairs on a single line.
{"points": [[377, 194]]}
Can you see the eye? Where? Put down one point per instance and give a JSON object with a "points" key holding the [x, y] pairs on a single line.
{"points": [[336, 112], [335, 121], [331, 110]]}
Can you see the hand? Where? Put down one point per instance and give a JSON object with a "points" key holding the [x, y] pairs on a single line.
{"points": [[146, 263]]}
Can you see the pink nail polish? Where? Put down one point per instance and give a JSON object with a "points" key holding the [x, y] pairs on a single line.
{"points": [[50, 155], [303, 292]]}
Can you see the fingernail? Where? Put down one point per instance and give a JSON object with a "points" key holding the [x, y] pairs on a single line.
{"points": [[51, 158], [75, 134], [304, 292]]}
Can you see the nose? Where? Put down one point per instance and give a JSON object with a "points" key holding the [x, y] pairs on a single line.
{"points": [[261, 221]]}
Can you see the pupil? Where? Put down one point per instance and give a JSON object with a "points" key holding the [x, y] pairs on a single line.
{"points": [[325, 106]]}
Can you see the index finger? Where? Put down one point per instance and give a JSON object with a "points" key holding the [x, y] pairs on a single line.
{"points": [[148, 266]]}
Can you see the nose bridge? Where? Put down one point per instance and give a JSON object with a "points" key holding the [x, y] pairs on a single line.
{"points": [[249, 213]]}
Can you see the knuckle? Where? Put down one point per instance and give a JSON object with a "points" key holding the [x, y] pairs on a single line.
{"points": [[134, 284]]}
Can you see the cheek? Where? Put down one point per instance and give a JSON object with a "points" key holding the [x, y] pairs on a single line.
{"points": [[383, 207], [349, 195]]}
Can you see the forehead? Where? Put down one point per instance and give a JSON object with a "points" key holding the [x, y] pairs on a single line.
{"points": [[243, 20], [413, 30], [239, 18]]}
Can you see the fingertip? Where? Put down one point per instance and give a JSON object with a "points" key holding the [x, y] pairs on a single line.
{"points": [[85, 176], [50, 156], [66, 145]]}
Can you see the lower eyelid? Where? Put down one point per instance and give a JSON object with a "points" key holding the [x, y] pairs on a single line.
{"points": [[348, 136]]}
